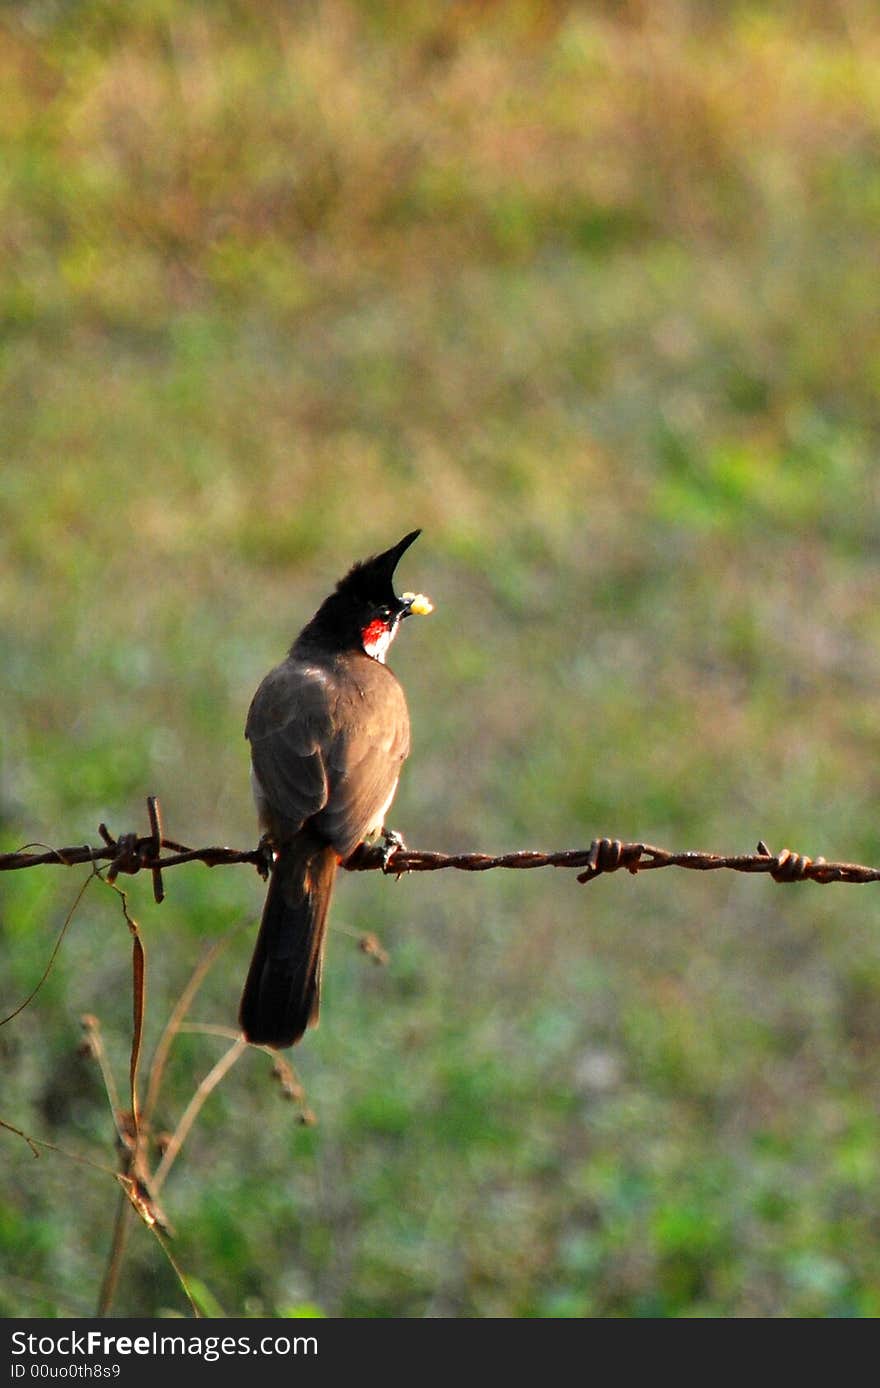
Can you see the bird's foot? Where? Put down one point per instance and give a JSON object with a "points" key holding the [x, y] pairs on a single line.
{"points": [[391, 843], [267, 856]]}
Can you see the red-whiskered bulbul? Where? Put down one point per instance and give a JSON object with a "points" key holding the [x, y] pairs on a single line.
{"points": [[329, 730]]}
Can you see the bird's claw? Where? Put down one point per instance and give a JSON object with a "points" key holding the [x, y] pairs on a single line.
{"points": [[267, 854], [392, 843]]}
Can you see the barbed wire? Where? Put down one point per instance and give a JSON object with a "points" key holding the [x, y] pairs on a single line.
{"points": [[131, 853]]}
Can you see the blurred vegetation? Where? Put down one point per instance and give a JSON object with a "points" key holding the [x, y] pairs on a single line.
{"points": [[590, 292]]}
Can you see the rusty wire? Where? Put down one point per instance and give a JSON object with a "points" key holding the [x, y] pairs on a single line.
{"points": [[131, 853]]}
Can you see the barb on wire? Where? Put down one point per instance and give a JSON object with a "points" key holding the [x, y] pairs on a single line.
{"points": [[131, 853]]}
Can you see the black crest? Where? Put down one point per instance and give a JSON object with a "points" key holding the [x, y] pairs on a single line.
{"points": [[370, 581], [366, 587]]}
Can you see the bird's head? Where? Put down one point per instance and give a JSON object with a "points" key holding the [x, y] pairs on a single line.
{"points": [[364, 610]]}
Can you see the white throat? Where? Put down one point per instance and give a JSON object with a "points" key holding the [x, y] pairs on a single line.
{"points": [[378, 647]]}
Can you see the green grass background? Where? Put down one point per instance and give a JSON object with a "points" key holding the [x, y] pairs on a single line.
{"points": [[590, 292]]}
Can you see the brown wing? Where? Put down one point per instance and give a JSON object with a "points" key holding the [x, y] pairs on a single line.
{"points": [[328, 747], [289, 726]]}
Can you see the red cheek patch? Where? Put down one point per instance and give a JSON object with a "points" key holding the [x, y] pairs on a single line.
{"points": [[373, 632]]}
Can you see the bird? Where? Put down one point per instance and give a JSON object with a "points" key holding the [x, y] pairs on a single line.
{"points": [[329, 731]]}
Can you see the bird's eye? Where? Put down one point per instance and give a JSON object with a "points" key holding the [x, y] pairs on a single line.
{"points": [[384, 613]]}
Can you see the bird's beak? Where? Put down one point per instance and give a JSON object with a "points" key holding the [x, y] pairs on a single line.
{"points": [[416, 605]]}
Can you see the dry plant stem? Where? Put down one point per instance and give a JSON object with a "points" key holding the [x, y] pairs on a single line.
{"points": [[110, 1281], [135, 1185], [48, 969], [97, 1050], [191, 1112], [138, 971], [39, 1144], [32, 1142], [179, 1274], [213, 1029], [173, 1025], [121, 1222]]}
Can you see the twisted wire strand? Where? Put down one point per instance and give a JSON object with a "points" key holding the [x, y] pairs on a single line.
{"points": [[131, 853]]}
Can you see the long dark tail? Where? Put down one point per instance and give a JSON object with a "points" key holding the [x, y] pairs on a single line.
{"points": [[282, 992]]}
